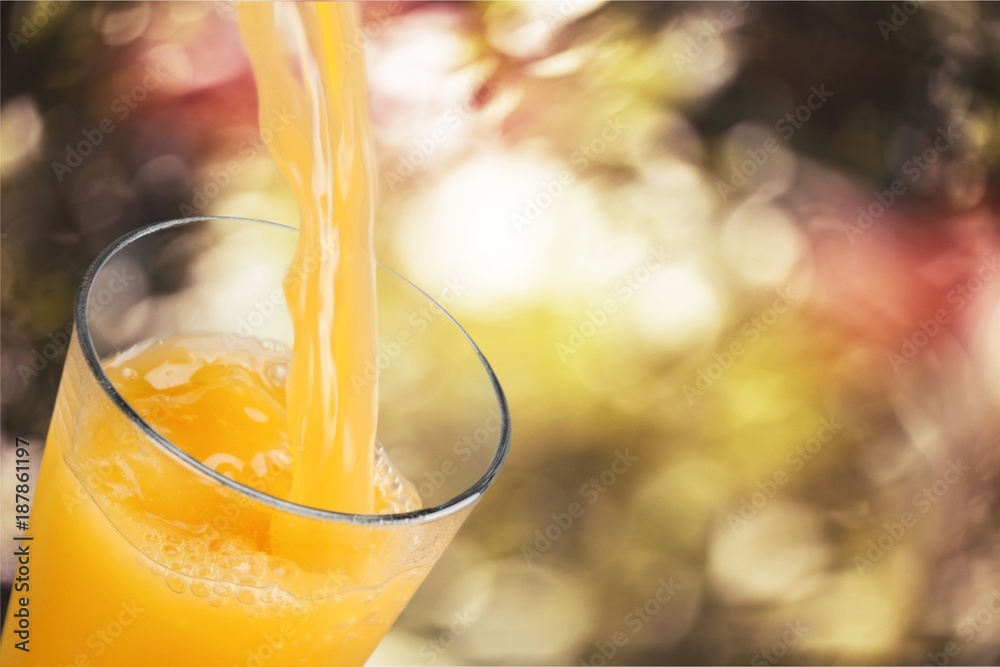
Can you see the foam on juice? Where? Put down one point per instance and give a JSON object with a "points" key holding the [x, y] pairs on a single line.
{"points": [[225, 405]]}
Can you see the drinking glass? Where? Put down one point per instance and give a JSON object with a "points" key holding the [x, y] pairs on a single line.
{"points": [[143, 555]]}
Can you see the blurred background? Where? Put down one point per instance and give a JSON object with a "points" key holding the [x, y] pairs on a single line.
{"points": [[736, 265]]}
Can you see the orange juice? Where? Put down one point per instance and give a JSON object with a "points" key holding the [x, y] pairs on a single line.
{"points": [[185, 573], [167, 567]]}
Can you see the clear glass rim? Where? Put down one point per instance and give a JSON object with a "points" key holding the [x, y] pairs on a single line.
{"points": [[454, 504]]}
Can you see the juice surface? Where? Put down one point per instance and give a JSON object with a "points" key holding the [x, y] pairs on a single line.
{"points": [[227, 407]]}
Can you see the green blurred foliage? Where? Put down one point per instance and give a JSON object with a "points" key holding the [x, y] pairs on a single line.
{"points": [[522, 93]]}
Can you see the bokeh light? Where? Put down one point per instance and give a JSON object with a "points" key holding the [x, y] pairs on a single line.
{"points": [[734, 263]]}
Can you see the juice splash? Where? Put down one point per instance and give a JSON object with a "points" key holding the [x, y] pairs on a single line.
{"points": [[326, 158]]}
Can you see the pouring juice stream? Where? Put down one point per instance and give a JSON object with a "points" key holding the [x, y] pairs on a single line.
{"points": [[325, 156], [202, 574]]}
